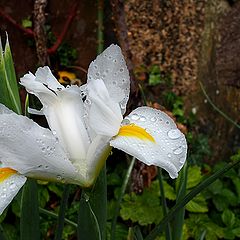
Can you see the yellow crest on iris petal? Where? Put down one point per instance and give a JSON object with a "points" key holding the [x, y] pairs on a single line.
{"points": [[133, 130], [6, 173]]}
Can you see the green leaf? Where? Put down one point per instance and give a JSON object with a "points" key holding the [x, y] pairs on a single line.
{"points": [[26, 23], [198, 224], [228, 217], [61, 215], [197, 204], [194, 176], [145, 208], [92, 216], [169, 191], [29, 221], [203, 185], [155, 76], [8, 84]]}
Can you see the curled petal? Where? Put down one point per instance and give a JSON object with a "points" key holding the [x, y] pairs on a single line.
{"points": [[10, 183], [111, 67], [152, 136], [104, 114], [33, 151]]}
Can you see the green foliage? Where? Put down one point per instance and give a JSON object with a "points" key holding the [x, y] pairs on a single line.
{"points": [[27, 22], [8, 83], [145, 208], [65, 55]]}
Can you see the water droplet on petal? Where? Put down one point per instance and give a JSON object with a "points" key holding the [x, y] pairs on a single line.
{"points": [[182, 160], [59, 178], [135, 117], [12, 185], [142, 118], [153, 119], [174, 134], [125, 121], [178, 150], [169, 155]]}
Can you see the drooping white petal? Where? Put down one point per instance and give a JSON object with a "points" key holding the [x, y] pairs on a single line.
{"points": [[9, 189], [33, 151], [104, 115], [111, 67], [169, 148]]}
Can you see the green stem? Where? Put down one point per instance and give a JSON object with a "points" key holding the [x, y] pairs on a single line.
{"points": [[178, 220], [29, 220], [55, 216], [159, 228], [164, 204], [143, 94], [61, 215], [216, 108], [123, 189]]}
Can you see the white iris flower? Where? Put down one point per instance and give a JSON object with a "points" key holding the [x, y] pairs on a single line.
{"points": [[85, 123]]}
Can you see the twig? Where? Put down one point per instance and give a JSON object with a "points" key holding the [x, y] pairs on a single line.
{"points": [[14, 23]]}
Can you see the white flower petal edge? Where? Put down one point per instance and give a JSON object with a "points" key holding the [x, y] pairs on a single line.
{"points": [[32, 150], [9, 188], [111, 67], [158, 141]]}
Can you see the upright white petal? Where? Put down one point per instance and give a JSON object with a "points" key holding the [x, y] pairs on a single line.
{"points": [[9, 188], [104, 115], [34, 151], [156, 141], [66, 120], [63, 108], [111, 67]]}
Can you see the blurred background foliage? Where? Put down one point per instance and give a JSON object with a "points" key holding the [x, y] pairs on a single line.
{"points": [[170, 46]]}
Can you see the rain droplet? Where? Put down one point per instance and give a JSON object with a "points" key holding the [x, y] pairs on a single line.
{"points": [[169, 155], [54, 132], [135, 117], [167, 122], [174, 134], [88, 101], [43, 149], [178, 150], [114, 83], [125, 121], [59, 89], [182, 160], [59, 178], [12, 185], [121, 69], [153, 119], [142, 118]]}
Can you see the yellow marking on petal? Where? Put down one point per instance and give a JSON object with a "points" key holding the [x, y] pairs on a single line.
{"points": [[6, 173], [135, 131]]}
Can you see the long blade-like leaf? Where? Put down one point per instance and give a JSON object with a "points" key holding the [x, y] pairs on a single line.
{"points": [[123, 189], [178, 219], [9, 94], [29, 221], [160, 227], [164, 204], [92, 216], [61, 219]]}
